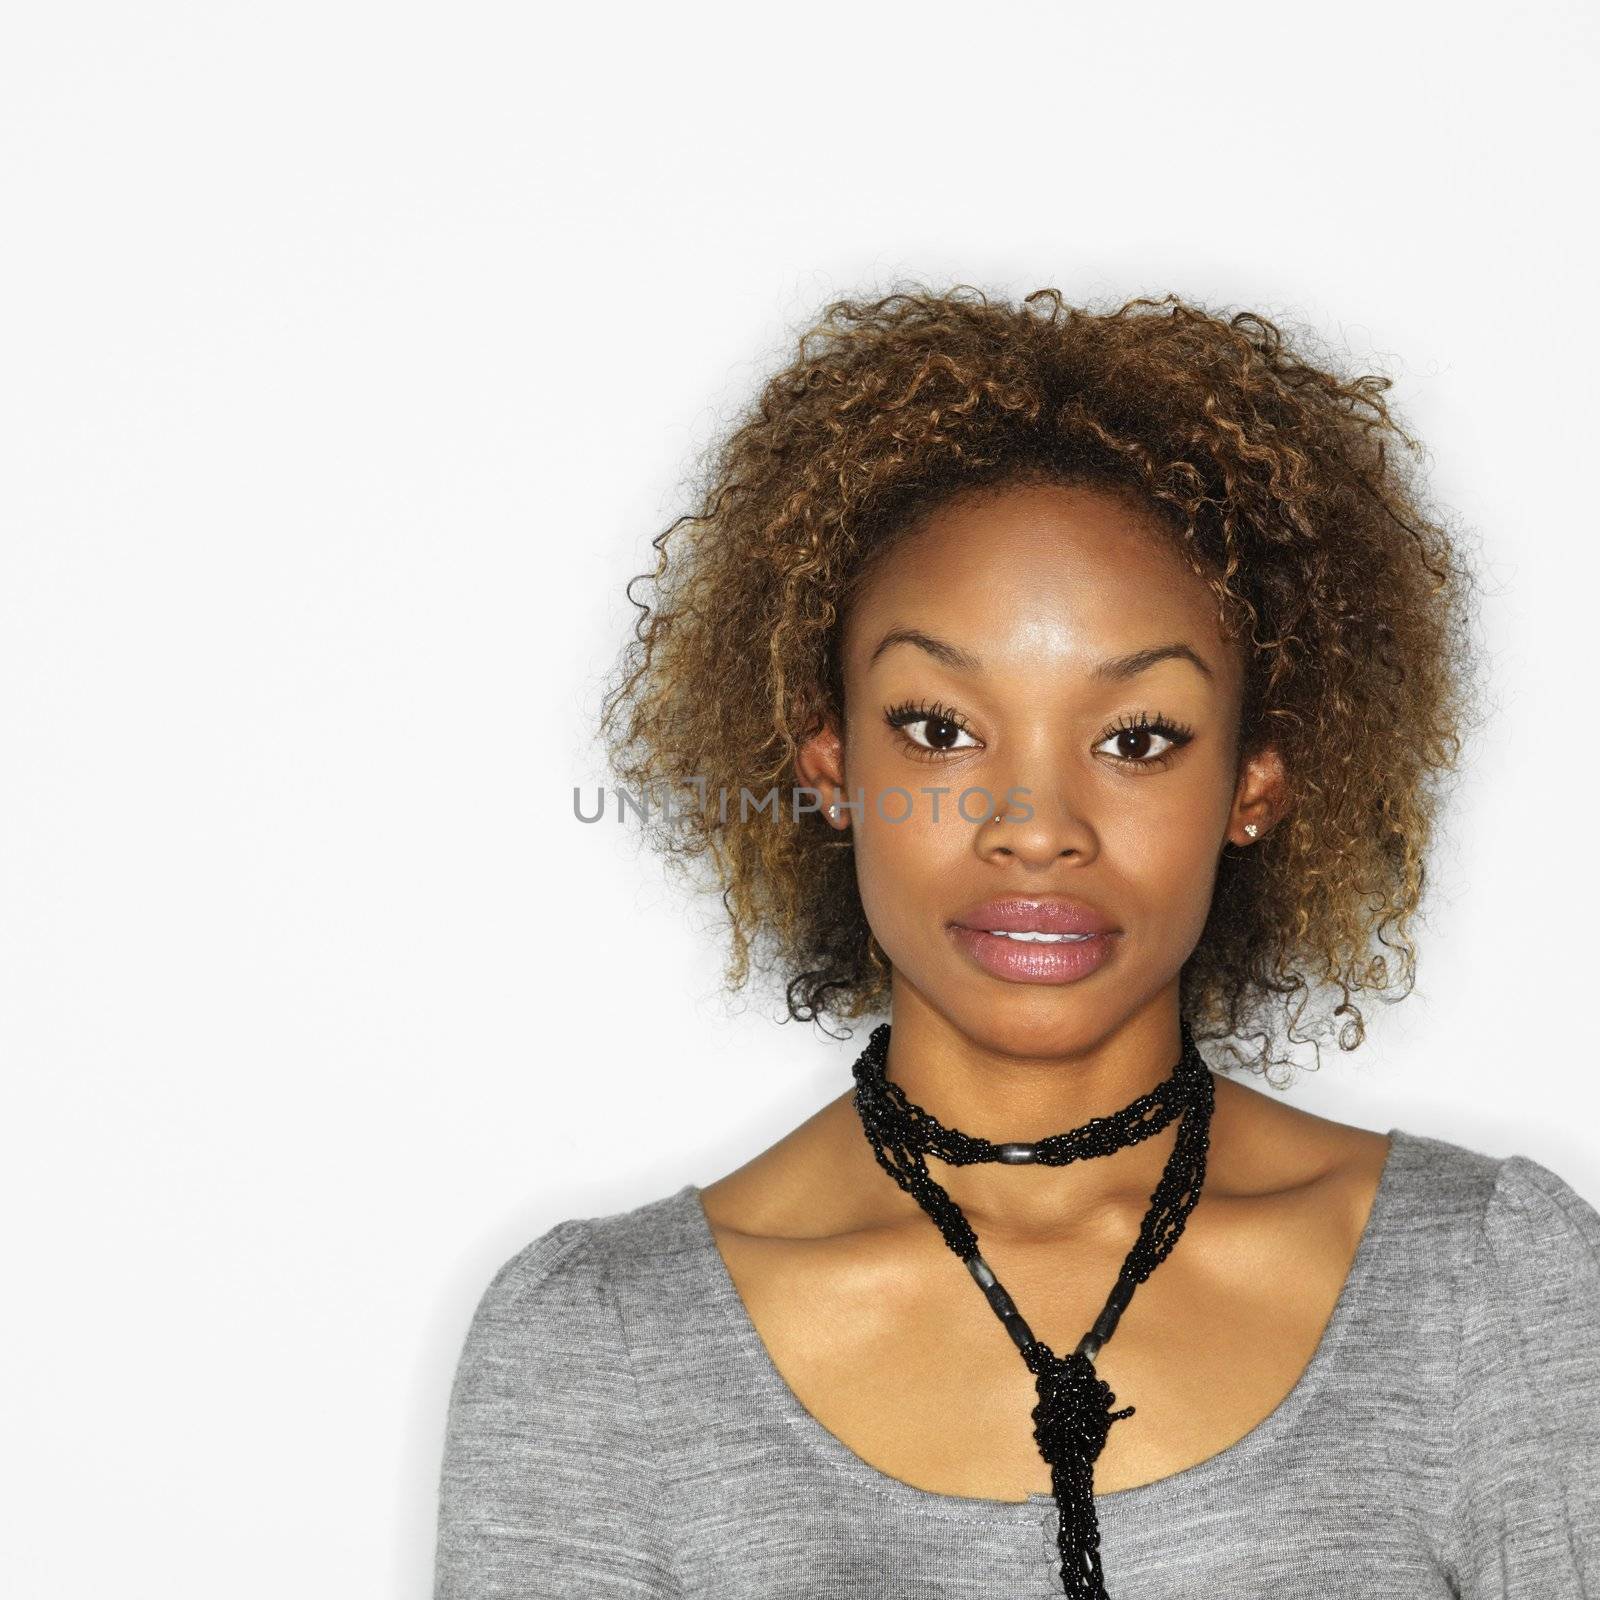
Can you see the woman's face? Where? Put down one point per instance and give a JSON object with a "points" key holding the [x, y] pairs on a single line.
{"points": [[1043, 648]]}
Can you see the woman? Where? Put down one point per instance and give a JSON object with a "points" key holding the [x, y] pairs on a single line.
{"points": [[1092, 680]]}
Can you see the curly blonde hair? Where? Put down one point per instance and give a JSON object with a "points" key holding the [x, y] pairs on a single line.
{"points": [[1290, 488]]}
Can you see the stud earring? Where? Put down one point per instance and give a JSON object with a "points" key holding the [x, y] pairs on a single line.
{"points": [[1251, 829], [833, 811]]}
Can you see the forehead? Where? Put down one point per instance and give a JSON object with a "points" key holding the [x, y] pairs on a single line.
{"points": [[1038, 575]]}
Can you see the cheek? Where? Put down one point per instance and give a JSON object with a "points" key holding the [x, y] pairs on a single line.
{"points": [[1169, 842], [904, 867], [1168, 858]]}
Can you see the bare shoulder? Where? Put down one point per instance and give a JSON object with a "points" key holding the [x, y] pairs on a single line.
{"points": [[1322, 1174], [805, 1186]]}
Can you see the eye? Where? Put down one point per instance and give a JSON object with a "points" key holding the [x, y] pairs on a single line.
{"points": [[938, 729], [1134, 735]]}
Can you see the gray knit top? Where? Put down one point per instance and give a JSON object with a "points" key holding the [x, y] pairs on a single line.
{"points": [[616, 1428]]}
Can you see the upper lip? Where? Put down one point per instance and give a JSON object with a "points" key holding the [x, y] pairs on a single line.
{"points": [[1035, 914]]}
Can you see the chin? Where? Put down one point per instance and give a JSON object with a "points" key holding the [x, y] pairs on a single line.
{"points": [[1029, 1019]]}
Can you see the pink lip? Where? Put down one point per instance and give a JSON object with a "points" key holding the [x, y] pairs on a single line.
{"points": [[1036, 914], [1035, 962]]}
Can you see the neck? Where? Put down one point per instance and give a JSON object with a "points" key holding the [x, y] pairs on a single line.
{"points": [[997, 1091]]}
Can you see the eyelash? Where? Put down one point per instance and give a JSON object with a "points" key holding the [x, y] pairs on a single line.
{"points": [[1176, 733]]}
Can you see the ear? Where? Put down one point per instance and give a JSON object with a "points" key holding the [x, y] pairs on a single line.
{"points": [[819, 764], [1261, 797]]}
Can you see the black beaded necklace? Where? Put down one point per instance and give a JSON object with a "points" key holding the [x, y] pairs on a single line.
{"points": [[1074, 1413]]}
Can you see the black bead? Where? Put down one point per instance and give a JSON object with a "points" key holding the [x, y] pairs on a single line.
{"points": [[1015, 1154]]}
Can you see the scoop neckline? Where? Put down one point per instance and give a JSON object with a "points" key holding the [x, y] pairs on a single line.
{"points": [[785, 1405]]}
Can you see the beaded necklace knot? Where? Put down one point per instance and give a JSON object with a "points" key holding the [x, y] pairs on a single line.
{"points": [[1073, 1414]]}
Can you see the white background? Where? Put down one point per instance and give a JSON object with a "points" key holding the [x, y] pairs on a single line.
{"points": [[352, 355]]}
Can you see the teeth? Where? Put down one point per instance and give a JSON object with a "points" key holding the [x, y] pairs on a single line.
{"points": [[1048, 938]]}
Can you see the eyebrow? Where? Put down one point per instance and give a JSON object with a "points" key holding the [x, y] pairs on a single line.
{"points": [[1115, 670]]}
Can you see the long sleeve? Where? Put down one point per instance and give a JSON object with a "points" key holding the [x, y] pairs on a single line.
{"points": [[1526, 1522], [549, 1489]]}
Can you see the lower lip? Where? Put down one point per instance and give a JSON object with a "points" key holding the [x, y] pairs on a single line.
{"points": [[1033, 960]]}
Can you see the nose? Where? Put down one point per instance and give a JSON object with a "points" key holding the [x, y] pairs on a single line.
{"points": [[1038, 827]]}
